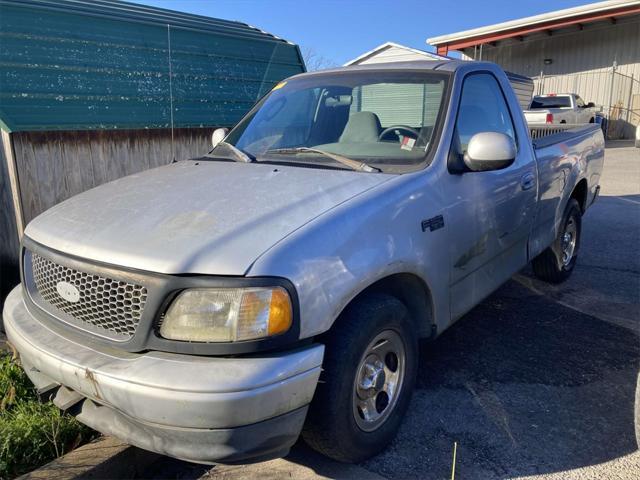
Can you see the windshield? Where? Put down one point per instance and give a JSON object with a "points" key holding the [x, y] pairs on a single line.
{"points": [[383, 119], [550, 102]]}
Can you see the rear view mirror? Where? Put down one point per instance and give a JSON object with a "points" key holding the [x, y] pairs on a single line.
{"points": [[338, 101], [218, 135], [591, 105], [489, 151]]}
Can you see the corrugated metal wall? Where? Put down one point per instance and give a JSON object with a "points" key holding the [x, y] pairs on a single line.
{"points": [[76, 65], [581, 62], [415, 105]]}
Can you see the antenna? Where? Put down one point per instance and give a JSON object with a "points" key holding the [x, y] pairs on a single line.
{"points": [[173, 151]]}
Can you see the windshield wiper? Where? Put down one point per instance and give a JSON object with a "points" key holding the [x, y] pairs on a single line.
{"points": [[349, 162], [239, 154]]}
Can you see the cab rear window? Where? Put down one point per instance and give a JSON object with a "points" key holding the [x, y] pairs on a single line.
{"points": [[550, 102]]}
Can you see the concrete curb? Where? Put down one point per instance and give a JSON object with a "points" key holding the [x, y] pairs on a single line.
{"points": [[105, 457]]}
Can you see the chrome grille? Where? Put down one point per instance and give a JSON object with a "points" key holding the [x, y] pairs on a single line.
{"points": [[111, 306]]}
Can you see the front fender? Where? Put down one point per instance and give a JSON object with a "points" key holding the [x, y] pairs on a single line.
{"points": [[376, 234]]}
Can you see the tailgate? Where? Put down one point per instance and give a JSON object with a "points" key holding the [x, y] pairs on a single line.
{"points": [[536, 116]]}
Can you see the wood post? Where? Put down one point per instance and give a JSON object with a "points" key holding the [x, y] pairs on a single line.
{"points": [[12, 168]]}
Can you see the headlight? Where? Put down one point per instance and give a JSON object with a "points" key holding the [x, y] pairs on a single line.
{"points": [[227, 314]]}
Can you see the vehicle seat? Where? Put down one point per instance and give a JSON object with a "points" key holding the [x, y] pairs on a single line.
{"points": [[361, 127]]}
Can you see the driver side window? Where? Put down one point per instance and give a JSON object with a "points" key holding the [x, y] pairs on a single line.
{"points": [[482, 109]]}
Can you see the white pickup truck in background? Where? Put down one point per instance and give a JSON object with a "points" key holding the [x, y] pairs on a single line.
{"points": [[560, 108]]}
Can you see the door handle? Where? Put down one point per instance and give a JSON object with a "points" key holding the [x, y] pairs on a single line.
{"points": [[527, 181]]}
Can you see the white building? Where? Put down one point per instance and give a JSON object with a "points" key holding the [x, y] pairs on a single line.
{"points": [[592, 50], [393, 52]]}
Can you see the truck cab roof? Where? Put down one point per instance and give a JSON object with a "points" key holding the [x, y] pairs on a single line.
{"points": [[450, 65]]}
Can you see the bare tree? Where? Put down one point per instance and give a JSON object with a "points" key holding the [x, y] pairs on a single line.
{"points": [[314, 61]]}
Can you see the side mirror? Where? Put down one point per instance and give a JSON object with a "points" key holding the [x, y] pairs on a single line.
{"points": [[218, 135], [591, 105], [489, 151]]}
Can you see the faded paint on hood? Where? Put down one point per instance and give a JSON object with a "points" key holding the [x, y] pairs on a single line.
{"points": [[205, 217]]}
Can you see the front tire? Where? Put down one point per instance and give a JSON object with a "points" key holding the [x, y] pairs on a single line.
{"points": [[368, 376], [556, 263]]}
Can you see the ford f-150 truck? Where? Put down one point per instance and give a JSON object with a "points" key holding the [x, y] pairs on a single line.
{"points": [[213, 309], [560, 108]]}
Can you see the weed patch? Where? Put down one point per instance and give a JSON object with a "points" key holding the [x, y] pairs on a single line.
{"points": [[31, 433]]}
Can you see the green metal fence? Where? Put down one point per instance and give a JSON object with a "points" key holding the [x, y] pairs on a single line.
{"points": [[77, 65]]}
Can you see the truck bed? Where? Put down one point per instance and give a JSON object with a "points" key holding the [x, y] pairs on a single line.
{"points": [[564, 155]]}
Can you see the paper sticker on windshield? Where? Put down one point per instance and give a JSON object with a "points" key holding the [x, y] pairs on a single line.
{"points": [[280, 85], [407, 143]]}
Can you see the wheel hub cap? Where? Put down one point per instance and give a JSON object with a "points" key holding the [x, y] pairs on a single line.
{"points": [[568, 243], [373, 378], [379, 380]]}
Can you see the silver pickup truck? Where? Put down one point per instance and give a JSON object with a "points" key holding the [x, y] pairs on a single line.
{"points": [[214, 309]]}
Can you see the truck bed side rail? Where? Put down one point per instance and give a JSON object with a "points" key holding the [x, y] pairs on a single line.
{"points": [[544, 135], [540, 131]]}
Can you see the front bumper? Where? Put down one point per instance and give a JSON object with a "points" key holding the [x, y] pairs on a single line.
{"points": [[200, 409]]}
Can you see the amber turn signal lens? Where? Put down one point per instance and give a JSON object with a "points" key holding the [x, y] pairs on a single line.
{"points": [[280, 314]]}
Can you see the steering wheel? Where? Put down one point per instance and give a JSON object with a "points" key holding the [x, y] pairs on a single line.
{"points": [[387, 130]]}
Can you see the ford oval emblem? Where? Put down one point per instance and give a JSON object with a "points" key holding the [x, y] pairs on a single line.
{"points": [[67, 291]]}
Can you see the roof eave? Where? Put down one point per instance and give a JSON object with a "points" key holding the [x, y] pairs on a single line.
{"points": [[379, 48], [541, 22]]}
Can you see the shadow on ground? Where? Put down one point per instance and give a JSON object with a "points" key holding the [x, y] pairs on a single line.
{"points": [[524, 386]]}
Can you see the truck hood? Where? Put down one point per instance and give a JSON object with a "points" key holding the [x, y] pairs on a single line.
{"points": [[206, 217]]}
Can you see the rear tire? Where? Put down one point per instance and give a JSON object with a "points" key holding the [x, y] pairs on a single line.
{"points": [[556, 263], [350, 422]]}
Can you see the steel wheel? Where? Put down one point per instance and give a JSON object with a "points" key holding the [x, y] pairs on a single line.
{"points": [[568, 242], [556, 262], [379, 380]]}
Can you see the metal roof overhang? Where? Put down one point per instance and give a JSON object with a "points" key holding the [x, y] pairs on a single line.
{"points": [[445, 44]]}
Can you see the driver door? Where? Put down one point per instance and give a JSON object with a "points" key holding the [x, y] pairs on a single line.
{"points": [[491, 213]]}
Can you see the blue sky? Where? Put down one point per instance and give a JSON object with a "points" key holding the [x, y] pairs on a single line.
{"points": [[340, 30]]}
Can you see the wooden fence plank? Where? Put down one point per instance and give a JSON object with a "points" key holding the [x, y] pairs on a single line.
{"points": [[76, 157], [53, 166], [28, 176]]}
